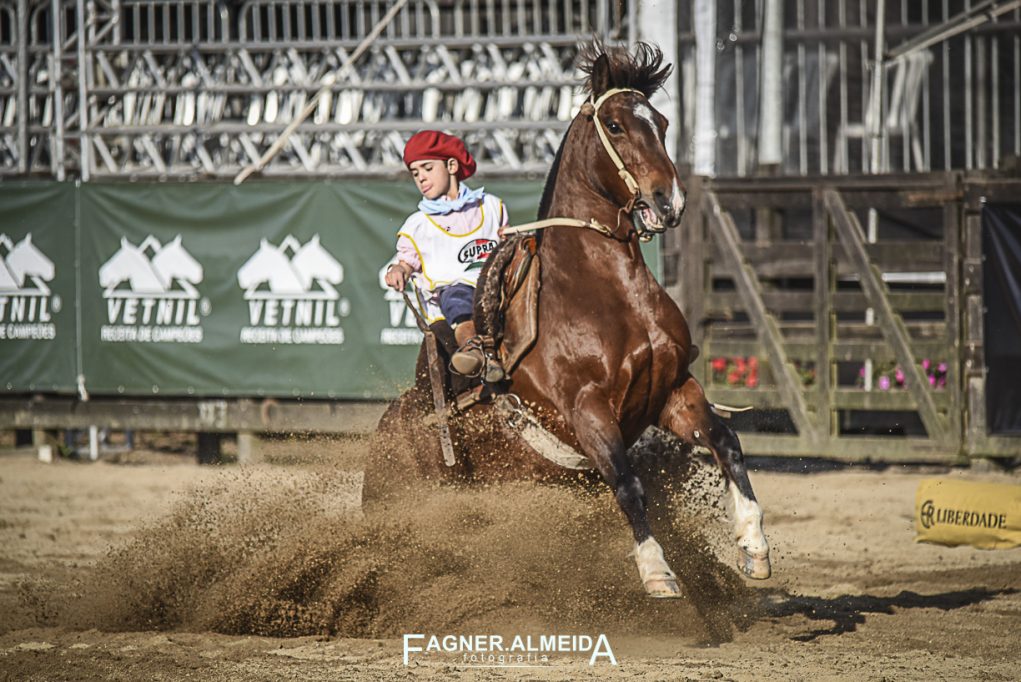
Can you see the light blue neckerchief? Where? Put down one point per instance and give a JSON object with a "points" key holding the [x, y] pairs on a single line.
{"points": [[443, 206]]}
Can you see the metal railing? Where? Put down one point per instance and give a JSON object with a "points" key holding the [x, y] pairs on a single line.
{"points": [[955, 105], [200, 88]]}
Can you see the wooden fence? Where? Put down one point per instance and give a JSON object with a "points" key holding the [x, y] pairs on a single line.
{"points": [[847, 310]]}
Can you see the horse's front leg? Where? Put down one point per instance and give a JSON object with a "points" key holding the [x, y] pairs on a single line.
{"points": [[600, 439], [687, 414]]}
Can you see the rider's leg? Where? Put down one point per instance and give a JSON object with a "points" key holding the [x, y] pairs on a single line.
{"points": [[688, 415], [456, 303], [600, 439], [463, 332]]}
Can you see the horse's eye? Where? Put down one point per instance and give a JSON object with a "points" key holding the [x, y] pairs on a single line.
{"points": [[614, 128]]}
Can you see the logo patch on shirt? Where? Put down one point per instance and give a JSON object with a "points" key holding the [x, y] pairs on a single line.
{"points": [[475, 252]]}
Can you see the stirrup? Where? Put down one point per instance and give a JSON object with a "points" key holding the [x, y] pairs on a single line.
{"points": [[489, 368], [470, 352]]}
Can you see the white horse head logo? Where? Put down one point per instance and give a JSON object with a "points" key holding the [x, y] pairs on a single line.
{"points": [[173, 262], [24, 260], [312, 261], [169, 263], [295, 276], [129, 263], [269, 264]]}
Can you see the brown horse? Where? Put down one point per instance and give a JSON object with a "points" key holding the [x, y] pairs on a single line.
{"points": [[611, 357]]}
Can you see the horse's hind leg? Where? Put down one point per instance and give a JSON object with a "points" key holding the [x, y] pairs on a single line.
{"points": [[687, 414], [600, 439]]}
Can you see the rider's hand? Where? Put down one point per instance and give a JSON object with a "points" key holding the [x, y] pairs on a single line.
{"points": [[397, 276]]}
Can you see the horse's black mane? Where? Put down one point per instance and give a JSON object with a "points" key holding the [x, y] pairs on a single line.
{"points": [[641, 70], [547, 189]]}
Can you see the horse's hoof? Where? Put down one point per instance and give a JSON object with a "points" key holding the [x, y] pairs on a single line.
{"points": [[755, 567], [662, 588]]}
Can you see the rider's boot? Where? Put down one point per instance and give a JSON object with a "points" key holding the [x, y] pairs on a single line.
{"points": [[472, 357]]}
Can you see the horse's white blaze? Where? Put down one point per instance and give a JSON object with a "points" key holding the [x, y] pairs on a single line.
{"points": [[644, 112], [748, 524], [677, 198], [652, 564]]}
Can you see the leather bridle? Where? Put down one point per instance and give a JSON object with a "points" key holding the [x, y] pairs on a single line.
{"points": [[590, 109]]}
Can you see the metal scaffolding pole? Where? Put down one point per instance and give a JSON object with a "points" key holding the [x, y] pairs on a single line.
{"points": [[965, 21], [657, 22], [83, 99], [22, 95], [705, 88], [771, 95], [57, 92], [875, 117]]}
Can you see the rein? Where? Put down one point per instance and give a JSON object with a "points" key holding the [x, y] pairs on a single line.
{"points": [[591, 109]]}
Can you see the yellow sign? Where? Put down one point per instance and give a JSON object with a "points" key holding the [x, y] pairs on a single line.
{"points": [[985, 515]]}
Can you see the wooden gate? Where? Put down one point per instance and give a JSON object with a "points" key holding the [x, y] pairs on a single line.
{"points": [[847, 311]]}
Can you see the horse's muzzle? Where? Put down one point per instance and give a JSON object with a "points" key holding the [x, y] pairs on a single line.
{"points": [[664, 212]]}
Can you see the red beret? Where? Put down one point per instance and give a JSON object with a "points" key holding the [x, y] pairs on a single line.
{"points": [[432, 144]]}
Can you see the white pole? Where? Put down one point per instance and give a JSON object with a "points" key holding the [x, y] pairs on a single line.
{"points": [[705, 88], [875, 132], [328, 82], [876, 102], [85, 152], [656, 23], [771, 99], [93, 443]]}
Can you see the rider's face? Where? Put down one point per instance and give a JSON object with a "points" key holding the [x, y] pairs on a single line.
{"points": [[433, 177]]}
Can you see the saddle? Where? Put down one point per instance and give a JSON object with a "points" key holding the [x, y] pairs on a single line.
{"points": [[507, 309], [519, 304]]}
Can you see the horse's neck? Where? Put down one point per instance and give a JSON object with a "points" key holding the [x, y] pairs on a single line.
{"points": [[576, 196]]}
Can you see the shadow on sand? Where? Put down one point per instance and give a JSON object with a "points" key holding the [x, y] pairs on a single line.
{"points": [[847, 612]]}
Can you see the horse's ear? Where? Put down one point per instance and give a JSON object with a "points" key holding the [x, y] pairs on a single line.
{"points": [[315, 238], [28, 238], [177, 239], [124, 242], [600, 78]]}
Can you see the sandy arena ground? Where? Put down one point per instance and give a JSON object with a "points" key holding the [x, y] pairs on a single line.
{"points": [[209, 561]]}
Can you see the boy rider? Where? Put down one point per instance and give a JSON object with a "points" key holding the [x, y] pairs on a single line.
{"points": [[442, 246]]}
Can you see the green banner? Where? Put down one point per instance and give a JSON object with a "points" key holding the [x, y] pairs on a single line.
{"points": [[269, 289], [37, 287]]}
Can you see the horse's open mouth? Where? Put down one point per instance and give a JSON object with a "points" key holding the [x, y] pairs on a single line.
{"points": [[646, 219]]}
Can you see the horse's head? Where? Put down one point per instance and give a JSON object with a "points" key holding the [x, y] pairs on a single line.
{"points": [[25, 259], [628, 134], [258, 268], [313, 261], [173, 261]]}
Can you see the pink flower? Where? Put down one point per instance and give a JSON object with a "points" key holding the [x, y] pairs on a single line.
{"points": [[932, 381], [926, 363], [942, 367], [899, 376], [719, 364], [861, 372], [884, 383]]}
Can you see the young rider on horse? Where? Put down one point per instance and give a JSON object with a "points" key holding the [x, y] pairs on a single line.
{"points": [[444, 244]]}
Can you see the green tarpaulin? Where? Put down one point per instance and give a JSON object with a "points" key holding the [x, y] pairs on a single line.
{"points": [[271, 288]]}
